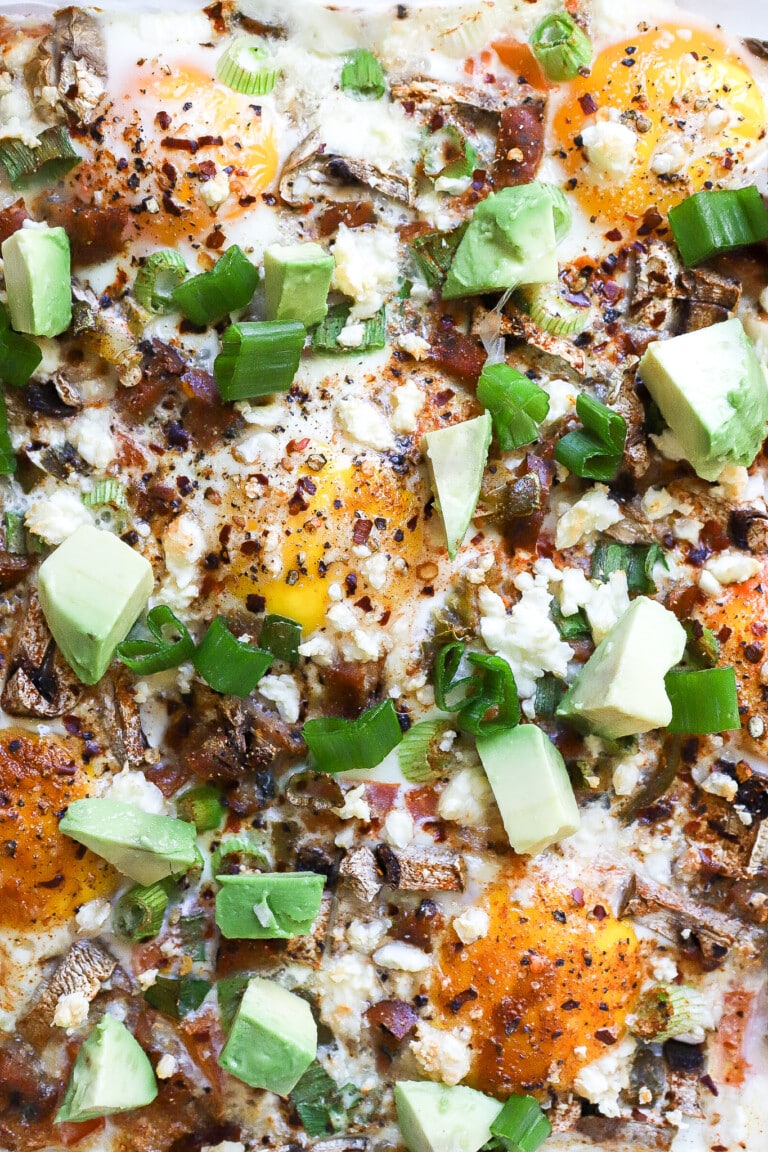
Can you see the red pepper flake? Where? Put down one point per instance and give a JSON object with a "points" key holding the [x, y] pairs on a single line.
{"points": [[215, 239], [724, 634], [605, 1036], [570, 1005], [614, 235], [179, 144], [599, 912], [170, 173], [577, 894], [297, 445], [350, 583], [364, 604], [297, 503], [163, 121], [207, 170], [246, 201], [307, 484], [361, 531], [171, 206], [588, 103], [708, 1083], [255, 602], [440, 399], [465, 997]]}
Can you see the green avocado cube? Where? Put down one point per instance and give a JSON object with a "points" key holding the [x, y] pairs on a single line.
{"points": [[712, 392], [36, 266], [268, 905], [92, 590], [620, 690], [530, 783], [297, 278], [142, 845], [510, 241], [435, 1118], [457, 456], [111, 1074], [273, 1039]]}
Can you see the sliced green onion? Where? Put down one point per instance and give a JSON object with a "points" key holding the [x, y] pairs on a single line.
{"points": [[226, 664], [517, 405], [15, 538], [521, 1126], [418, 753], [561, 47], [241, 67], [669, 1010], [703, 701], [323, 1106], [433, 253], [595, 451], [144, 657], [139, 913], [702, 649], [192, 932], [105, 492], [246, 844], [158, 278], [363, 74], [549, 693], [545, 305], [51, 159], [448, 158], [490, 690], [177, 997], [708, 223], [202, 807], [19, 356], [573, 627], [228, 287], [7, 456], [637, 560], [345, 745], [325, 338], [258, 357], [445, 678], [281, 636]]}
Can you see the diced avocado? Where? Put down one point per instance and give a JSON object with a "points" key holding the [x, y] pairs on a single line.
{"points": [[92, 590], [435, 1118], [620, 690], [713, 394], [37, 279], [297, 278], [111, 1074], [273, 1039], [457, 457], [530, 783], [268, 905], [140, 844], [510, 241]]}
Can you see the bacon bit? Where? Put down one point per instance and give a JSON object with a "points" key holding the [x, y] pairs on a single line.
{"points": [[210, 141], [215, 239], [172, 207], [297, 445], [163, 120], [170, 173], [12, 218], [380, 798], [55, 882], [307, 484], [458, 353], [179, 144], [361, 531], [297, 503], [730, 1035], [519, 145], [462, 998], [394, 1016], [570, 1005], [354, 215], [364, 604], [350, 583], [588, 103], [207, 169], [708, 1083]]}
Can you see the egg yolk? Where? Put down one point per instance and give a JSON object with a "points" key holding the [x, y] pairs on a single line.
{"points": [[313, 536], [44, 876], [691, 103], [544, 981]]}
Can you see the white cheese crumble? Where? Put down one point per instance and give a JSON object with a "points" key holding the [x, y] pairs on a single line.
{"points": [[365, 268], [364, 423], [366, 935], [147, 978], [414, 345], [594, 512], [441, 1055], [166, 1067], [183, 545], [346, 985], [91, 435], [562, 399], [351, 335], [472, 925], [71, 1010], [526, 637], [319, 649], [92, 916], [375, 569], [611, 148], [261, 446], [133, 788], [720, 784], [627, 773], [465, 798], [54, 518], [215, 191], [401, 957], [732, 567], [604, 1079], [398, 828], [355, 806], [408, 401], [283, 692]]}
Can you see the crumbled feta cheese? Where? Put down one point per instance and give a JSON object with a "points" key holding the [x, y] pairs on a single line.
{"points": [[709, 584], [351, 335], [687, 529], [355, 806], [594, 512], [283, 692], [319, 650], [465, 798], [733, 567], [408, 400], [402, 957], [604, 1079], [262, 415], [215, 191], [562, 399], [365, 268], [415, 346], [720, 784], [366, 935], [526, 637], [442, 1055], [732, 483], [607, 604], [668, 445], [71, 1010], [346, 985], [663, 967], [132, 787], [147, 978], [611, 147], [91, 435], [375, 570], [54, 518], [363, 422], [183, 545], [398, 828], [259, 446], [92, 916], [166, 1067], [627, 773], [472, 925], [658, 503], [669, 157]]}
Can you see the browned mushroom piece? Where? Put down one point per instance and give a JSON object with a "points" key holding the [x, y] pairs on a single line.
{"points": [[107, 334], [748, 529], [83, 969], [310, 174], [654, 290], [128, 716], [558, 354], [13, 569], [396, 1017], [420, 869], [310, 949], [40, 682], [685, 1093], [708, 287], [619, 1135], [621, 395], [358, 869], [71, 59], [493, 98]]}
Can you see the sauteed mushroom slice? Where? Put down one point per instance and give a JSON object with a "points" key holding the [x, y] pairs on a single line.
{"points": [[310, 173]]}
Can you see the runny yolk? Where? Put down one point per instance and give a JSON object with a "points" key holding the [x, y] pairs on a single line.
{"points": [[692, 104], [44, 876], [546, 980]]}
